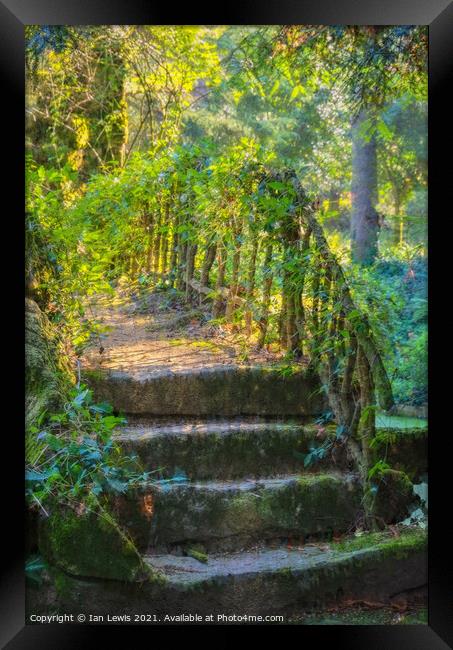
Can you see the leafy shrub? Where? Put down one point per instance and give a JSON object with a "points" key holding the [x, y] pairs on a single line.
{"points": [[393, 292], [74, 455], [410, 382]]}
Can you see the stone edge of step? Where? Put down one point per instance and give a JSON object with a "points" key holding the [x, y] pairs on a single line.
{"points": [[249, 484], [122, 375], [179, 571], [141, 432]]}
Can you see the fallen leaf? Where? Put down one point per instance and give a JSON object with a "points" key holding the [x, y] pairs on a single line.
{"points": [[148, 506]]}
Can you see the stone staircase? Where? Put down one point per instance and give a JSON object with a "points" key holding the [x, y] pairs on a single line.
{"points": [[242, 527]]}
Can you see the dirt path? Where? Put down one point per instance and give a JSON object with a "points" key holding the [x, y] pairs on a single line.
{"points": [[155, 332]]}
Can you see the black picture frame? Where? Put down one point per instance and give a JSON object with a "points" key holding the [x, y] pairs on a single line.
{"points": [[14, 15]]}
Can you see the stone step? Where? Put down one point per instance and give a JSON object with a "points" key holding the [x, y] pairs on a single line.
{"points": [[225, 449], [374, 567], [228, 515], [259, 447], [271, 580], [218, 391]]}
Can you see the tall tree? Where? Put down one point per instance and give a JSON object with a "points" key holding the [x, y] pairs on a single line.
{"points": [[76, 107], [368, 66], [372, 62], [364, 192]]}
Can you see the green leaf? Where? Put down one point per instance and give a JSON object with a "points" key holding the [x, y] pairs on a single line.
{"points": [[297, 90], [36, 477], [379, 467], [116, 485], [340, 431], [103, 407], [34, 567], [80, 398], [308, 460], [275, 87], [384, 130], [110, 422], [197, 555]]}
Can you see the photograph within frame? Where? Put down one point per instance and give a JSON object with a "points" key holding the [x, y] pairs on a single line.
{"points": [[227, 227]]}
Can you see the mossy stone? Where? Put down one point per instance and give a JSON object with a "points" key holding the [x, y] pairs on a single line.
{"points": [[393, 497], [90, 544], [225, 391]]}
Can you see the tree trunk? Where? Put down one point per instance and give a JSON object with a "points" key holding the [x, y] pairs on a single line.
{"points": [[207, 264], [164, 239], [181, 271], [221, 262], [149, 263], [263, 322], [359, 325], [299, 312], [190, 269], [156, 251], [291, 340], [164, 253], [251, 285], [298, 297], [366, 432], [174, 253], [364, 218], [133, 270], [282, 332], [234, 284], [397, 221]]}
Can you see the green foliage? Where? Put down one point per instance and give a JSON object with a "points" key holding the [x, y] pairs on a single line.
{"points": [[378, 468], [65, 263], [412, 375], [150, 147], [206, 109], [34, 567], [76, 456], [197, 554], [393, 293], [316, 454], [409, 537]]}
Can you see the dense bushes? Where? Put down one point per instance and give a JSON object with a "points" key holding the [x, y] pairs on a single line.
{"points": [[192, 214], [394, 294]]}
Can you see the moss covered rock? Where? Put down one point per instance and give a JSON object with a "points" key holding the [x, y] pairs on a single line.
{"points": [[89, 544], [393, 496], [227, 449], [404, 449]]}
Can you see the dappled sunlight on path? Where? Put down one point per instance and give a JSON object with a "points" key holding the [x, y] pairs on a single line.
{"points": [[146, 337]]}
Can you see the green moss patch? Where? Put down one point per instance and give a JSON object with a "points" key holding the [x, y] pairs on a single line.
{"points": [[211, 452], [404, 449], [90, 544], [408, 540], [392, 497], [212, 513]]}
